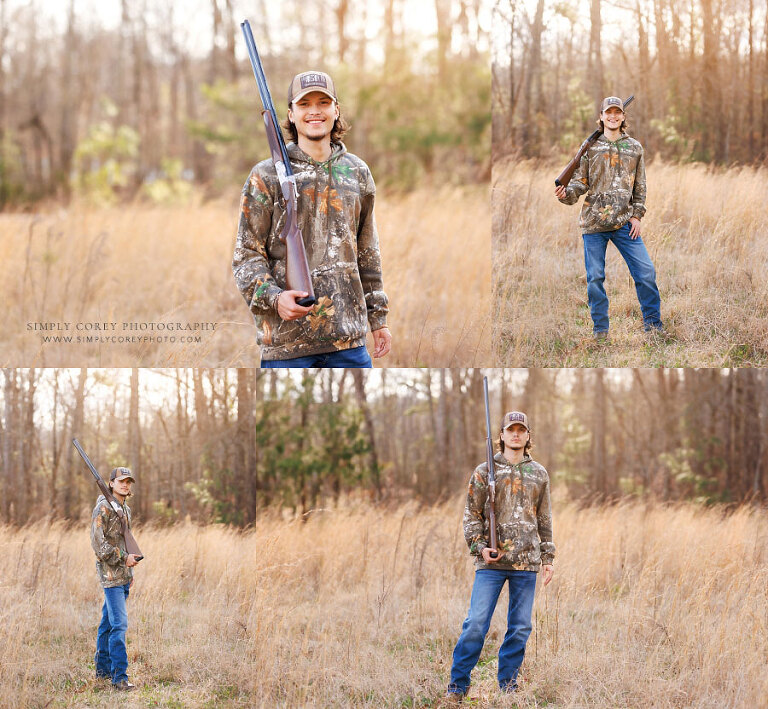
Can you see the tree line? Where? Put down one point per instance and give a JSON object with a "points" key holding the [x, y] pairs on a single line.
{"points": [[699, 70], [225, 445], [147, 109]]}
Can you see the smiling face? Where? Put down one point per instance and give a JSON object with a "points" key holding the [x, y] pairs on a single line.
{"points": [[612, 118], [314, 116]]}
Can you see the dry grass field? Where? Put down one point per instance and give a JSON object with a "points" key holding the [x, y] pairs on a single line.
{"points": [[707, 234], [649, 607], [138, 264]]}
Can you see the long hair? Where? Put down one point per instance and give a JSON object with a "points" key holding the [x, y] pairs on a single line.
{"points": [[528, 445], [339, 130]]}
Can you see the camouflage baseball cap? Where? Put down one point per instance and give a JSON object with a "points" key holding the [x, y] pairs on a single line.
{"points": [[512, 417], [609, 101], [121, 474], [309, 81]]}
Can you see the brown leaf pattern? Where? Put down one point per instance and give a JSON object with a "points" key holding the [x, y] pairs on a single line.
{"points": [[323, 199], [321, 313]]}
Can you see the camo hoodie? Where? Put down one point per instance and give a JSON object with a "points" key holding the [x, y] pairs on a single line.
{"points": [[335, 215], [109, 545], [613, 176], [523, 515]]}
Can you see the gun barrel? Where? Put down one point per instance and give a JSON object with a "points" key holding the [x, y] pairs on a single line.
{"points": [[261, 82], [87, 460], [488, 441]]}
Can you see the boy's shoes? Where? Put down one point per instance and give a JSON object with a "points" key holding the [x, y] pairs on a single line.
{"points": [[124, 686]]}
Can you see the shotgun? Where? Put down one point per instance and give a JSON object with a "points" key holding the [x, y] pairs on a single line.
{"points": [[131, 547], [565, 176], [296, 266], [491, 475]]}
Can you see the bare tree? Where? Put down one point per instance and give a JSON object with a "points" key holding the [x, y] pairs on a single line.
{"points": [[342, 11], [134, 446], [444, 32], [68, 126], [3, 159], [362, 402], [599, 458], [71, 470], [532, 90], [595, 58]]}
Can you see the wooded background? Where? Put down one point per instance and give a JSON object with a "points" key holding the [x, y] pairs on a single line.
{"points": [[698, 69], [167, 99], [224, 445]]}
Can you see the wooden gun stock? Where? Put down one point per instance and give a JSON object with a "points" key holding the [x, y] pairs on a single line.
{"points": [[297, 276], [131, 546], [565, 176]]}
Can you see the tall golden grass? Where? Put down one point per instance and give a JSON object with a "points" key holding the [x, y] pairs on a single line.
{"points": [[172, 264], [707, 235], [649, 607]]}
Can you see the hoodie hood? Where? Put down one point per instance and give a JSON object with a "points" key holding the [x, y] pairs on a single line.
{"points": [[103, 500], [296, 154], [501, 460], [603, 139]]}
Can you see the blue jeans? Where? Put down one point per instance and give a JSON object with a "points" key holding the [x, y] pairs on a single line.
{"points": [[640, 267], [356, 358], [111, 655], [485, 594]]}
